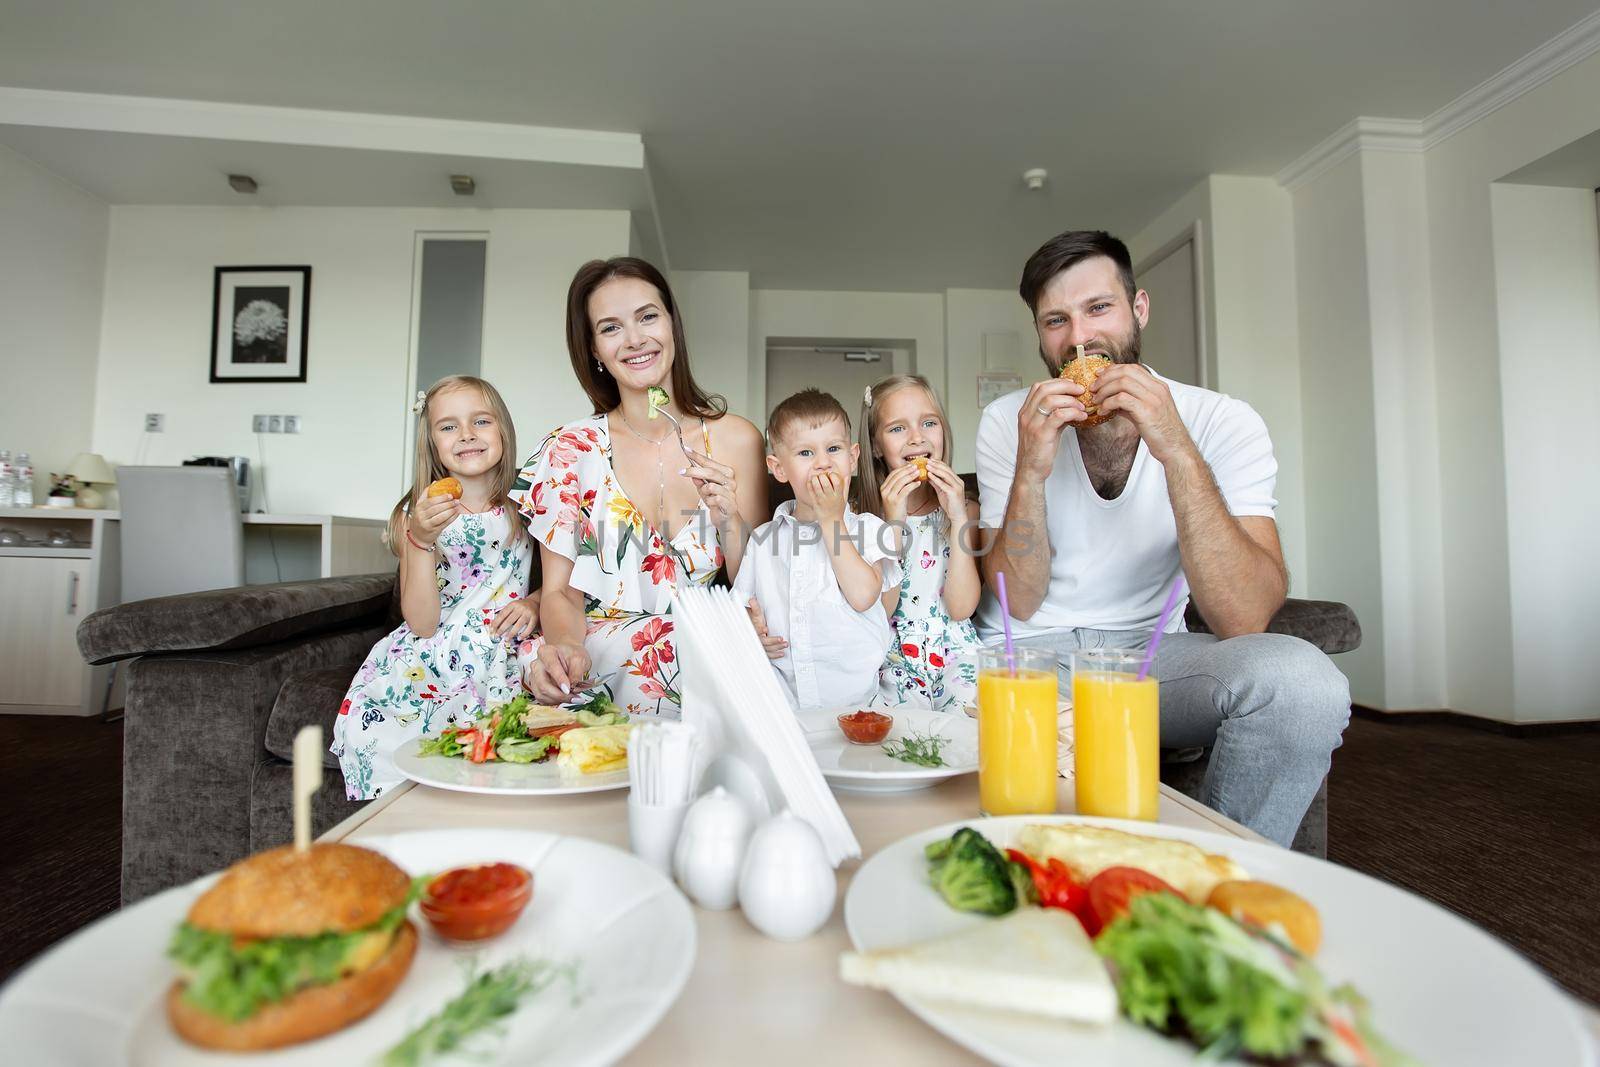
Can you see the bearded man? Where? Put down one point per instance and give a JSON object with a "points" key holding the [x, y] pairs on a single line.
{"points": [[1092, 522]]}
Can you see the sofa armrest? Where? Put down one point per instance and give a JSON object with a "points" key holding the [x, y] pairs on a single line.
{"points": [[1329, 625], [222, 619]]}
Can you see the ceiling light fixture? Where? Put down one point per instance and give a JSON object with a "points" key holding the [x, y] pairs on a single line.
{"points": [[242, 183], [1035, 178], [463, 185]]}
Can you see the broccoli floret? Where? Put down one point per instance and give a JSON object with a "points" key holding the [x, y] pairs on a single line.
{"points": [[1022, 882], [971, 874], [657, 397]]}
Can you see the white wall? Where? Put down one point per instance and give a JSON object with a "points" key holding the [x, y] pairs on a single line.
{"points": [[52, 268], [1472, 389], [715, 305], [154, 353], [1245, 232], [1398, 275], [915, 317], [1547, 275], [1339, 442], [969, 314]]}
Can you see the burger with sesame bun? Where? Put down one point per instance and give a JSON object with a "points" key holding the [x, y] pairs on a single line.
{"points": [[289, 946], [1085, 370]]}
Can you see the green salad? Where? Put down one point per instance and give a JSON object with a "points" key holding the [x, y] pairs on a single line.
{"points": [[502, 733], [1189, 970]]}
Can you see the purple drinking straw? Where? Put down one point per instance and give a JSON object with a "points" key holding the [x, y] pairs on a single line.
{"points": [[1161, 627], [1005, 619]]}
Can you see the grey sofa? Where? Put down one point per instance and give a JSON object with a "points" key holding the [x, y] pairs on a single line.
{"points": [[218, 686], [221, 681]]}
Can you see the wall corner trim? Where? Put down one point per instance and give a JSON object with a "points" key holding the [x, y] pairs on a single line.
{"points": [[1573, 45]]}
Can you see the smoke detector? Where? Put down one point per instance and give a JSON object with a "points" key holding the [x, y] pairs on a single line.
{"points": [[1035, 178]]}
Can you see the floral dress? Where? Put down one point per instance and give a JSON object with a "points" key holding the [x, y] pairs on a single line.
{"points": [[933, 662], [410, 685], [627, 571]]}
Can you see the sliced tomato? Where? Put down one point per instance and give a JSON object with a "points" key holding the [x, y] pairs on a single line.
{"points": [[1112, 889], [482, 744]]}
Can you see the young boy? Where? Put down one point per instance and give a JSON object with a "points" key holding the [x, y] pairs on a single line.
{"points": [[820, 581]]}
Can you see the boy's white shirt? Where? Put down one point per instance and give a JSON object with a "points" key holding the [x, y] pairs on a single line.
{"points": [[834, 650]]}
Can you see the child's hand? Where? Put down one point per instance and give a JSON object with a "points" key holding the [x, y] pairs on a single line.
{"points": [[952, 491], [774, 647], [896, 491], [516, 620], [431, 515], [827, 495]]}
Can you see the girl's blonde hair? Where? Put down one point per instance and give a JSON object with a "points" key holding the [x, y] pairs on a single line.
{"points": [[428, 468], [871, 468]]}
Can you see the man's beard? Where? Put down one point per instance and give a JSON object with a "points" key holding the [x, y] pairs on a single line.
{"points": [[1124, 349]]}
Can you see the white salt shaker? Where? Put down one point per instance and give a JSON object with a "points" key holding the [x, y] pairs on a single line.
{"points": [[711, 848], [787, 886]]}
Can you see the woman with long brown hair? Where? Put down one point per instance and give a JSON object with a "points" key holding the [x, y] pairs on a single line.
{"points": [[648, 493]]}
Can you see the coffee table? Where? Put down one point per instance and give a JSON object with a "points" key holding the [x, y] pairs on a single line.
{"points": [[751, 998]]}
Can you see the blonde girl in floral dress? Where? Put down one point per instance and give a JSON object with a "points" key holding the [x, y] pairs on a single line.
{"points": [[465, 566], [623, 513], [905, 479]]}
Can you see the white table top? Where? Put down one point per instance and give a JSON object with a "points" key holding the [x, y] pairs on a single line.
{"points": [[748, 996]]}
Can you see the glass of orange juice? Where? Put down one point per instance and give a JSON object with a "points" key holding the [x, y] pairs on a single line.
{"points": [[1116, 724], [1017, 732]]}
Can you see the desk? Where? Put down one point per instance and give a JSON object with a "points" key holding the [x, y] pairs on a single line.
{"points": [[45, 591]]}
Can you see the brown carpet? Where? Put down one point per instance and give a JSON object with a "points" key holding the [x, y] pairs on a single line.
{"points": [[61, 790], [1503, 830]]}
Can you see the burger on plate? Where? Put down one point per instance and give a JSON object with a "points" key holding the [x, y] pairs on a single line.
{"points": [[289, 946], [1085, 370]]}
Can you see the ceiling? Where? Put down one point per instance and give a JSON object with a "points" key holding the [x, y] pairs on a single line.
{"points": [[826, 144]]}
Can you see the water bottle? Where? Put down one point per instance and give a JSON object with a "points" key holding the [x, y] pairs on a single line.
{"points": [[8, 495], [22, 487]]}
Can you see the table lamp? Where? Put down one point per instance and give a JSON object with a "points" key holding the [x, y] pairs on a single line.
{"points": [[90, 469]]}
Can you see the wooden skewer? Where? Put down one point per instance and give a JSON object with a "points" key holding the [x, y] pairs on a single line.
{"points": [[307, 780]]}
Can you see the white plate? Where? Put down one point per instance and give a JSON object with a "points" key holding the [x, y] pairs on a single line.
{"points": [[498, 778], [98, 997], [866, 769], [1440, 988]]}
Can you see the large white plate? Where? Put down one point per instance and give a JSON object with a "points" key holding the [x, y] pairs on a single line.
{"points": [[98, 997], [500, 779], [865, 768], [1440, 988]]}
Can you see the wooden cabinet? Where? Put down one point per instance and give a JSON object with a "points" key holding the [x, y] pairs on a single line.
{"points": [[39, 661]]}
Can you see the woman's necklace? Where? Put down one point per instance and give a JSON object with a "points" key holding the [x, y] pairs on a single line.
{"points": [[661, 470]]}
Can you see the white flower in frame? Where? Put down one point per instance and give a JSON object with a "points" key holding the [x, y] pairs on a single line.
{"points": [[259, 320]]}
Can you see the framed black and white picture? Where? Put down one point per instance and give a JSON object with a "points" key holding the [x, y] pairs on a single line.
{"points": [[259, 324]]}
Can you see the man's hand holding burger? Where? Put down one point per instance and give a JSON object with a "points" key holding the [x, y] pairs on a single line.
{"points": [[1131, 391], [1050, 407]]}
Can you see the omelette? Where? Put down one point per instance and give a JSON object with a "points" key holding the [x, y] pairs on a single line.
{"points": [[1088, 850], [594, 749]]}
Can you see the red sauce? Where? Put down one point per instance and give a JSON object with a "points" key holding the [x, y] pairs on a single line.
{"points": [[473, 903], [866, 727]]}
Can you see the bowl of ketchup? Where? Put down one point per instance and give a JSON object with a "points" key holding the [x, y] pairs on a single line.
{"points": [[865, 727], [477, 902]]}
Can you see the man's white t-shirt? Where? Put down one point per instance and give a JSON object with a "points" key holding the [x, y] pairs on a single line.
{"points": [[1113, 561]]}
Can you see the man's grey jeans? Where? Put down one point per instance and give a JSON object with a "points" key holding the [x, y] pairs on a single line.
{"points": [[1272, 706]]}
